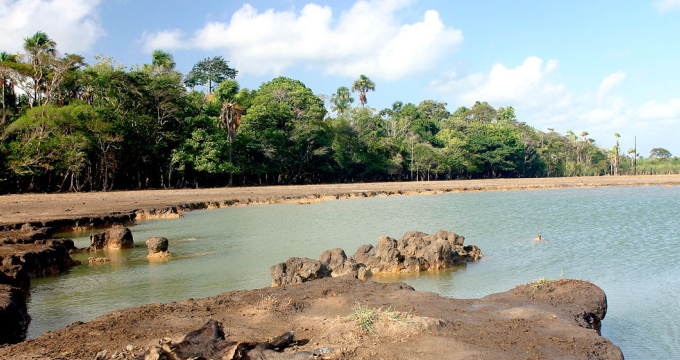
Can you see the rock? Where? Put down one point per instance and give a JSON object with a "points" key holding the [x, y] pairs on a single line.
{"points": [[157, 244], [298, 270], [338, 262], [13, 315], [452, 238], [98, 260], [115, 238], [210, 342], [26, 261], [414, 252], [158, 248], [439, 255]]}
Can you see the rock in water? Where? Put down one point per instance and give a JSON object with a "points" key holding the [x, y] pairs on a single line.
{"points": [[414, 252], [115, 238], [298, 270], [158, 248]]}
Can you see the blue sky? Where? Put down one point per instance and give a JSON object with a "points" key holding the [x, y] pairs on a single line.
{"points": [[601, 66]]}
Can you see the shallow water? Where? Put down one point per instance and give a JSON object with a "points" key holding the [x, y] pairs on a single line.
{"points": [[625, 240]]}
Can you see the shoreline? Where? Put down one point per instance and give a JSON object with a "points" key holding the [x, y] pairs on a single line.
{"points": [[73, 211]]}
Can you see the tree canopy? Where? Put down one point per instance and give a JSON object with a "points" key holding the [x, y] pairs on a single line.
{"points": [[71, 126]]}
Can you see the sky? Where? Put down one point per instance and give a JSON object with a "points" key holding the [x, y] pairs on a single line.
{"points": [[602, 67]]}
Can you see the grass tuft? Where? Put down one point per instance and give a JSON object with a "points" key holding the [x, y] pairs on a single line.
{"points": [[366, 316]]}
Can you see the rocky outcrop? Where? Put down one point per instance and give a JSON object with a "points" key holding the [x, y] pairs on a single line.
{"points": [[20, 262], [338, 263], [158, 248], [22, 258], [298, 270], [586, 302], [325, 314], [13, 315], [413, 252], [115, 238]]}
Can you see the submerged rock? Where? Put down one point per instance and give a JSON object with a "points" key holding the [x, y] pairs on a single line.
{"points": [[115, 238]]}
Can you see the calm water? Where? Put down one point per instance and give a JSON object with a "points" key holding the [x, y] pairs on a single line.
{"points": [[626, 240]]}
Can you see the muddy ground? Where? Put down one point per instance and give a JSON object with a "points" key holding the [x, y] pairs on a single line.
{"points": [[548, 323], [17, 209]]}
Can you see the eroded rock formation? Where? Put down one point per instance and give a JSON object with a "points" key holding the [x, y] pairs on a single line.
{"points": [[413, 252], [13, 314], [25, 255], [115, 238], [158, 248]]}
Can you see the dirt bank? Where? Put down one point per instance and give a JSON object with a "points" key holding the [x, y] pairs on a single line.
{"points": [[552, 322], [87, 209]]}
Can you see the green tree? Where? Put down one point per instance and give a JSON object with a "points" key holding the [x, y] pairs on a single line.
{"points": [[40, 50], [362, 85], [660, 153], [162, 60], [210, 71], [8, 63], [341, 100]]}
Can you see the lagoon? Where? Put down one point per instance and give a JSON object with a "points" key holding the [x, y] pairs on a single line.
{"points": [[623, 239]]}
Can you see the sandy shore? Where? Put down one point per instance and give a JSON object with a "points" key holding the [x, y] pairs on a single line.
{"points": [[24, 208]]}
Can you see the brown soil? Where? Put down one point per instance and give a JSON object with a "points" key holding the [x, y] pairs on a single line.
{"points": [[519, 324], [24, 208]]}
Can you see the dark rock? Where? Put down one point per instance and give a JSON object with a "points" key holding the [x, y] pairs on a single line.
{"points": [[158, 248], [210, 342], [13, 315], [117, 237], [297, 270], [157, 244]]}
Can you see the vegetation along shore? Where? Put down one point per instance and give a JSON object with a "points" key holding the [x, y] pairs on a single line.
{"points": [[71, 126]]}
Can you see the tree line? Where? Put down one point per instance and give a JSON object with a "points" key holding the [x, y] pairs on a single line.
{"points": [[71, 126]]}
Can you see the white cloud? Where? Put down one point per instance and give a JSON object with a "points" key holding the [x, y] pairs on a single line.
{"points": [[669, 110], [166, 39], [527, 83], [368, 38], [667, 5], [544, 103], [609, 82], [73, 24]]}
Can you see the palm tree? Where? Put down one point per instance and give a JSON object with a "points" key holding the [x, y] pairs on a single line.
{"points": [[341, 100], [162, 60], [362, 85], [230, 115], [41, 49]]}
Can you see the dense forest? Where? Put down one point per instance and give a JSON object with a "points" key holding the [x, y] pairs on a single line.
{"points": [[71, 126]]}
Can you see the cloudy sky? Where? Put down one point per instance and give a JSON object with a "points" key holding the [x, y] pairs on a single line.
{"points": [[601, 66]]}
